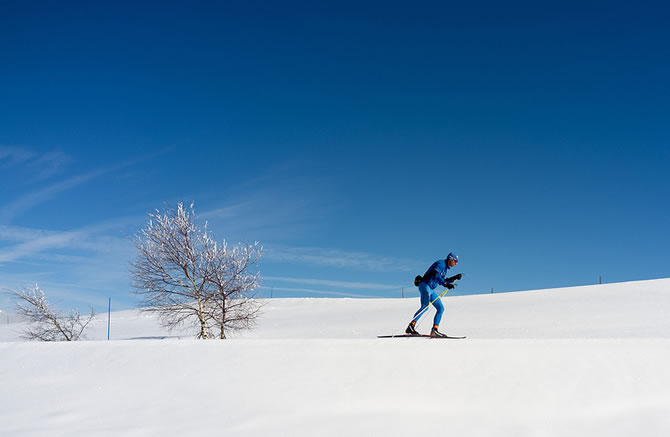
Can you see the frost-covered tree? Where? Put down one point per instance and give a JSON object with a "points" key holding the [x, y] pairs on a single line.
{"points": [[46, 324], [184, 276], [233, 305]]}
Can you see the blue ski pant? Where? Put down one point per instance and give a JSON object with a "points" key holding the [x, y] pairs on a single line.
{"points": [[428, 296]]}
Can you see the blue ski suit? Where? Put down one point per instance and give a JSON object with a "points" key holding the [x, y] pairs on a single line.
{"points": [[434, 276]]}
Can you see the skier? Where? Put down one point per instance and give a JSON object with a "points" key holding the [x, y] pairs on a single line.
{"points": [[434, 276]]}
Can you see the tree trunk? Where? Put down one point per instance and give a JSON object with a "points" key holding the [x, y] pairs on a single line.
{"points": [[203, 323], [223, 324]]}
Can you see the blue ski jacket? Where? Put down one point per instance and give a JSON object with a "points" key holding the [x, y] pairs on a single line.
{"points": [[437, 274]]}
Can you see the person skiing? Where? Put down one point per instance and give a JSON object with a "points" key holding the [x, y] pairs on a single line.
{"points": [[434, 276]]}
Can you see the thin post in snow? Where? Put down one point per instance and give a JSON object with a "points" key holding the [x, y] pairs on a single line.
{"points": [[403, 292], [601, 279], [109, 318]]}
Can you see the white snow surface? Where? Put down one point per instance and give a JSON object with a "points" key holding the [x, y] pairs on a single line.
{"points": [[581, 361]]}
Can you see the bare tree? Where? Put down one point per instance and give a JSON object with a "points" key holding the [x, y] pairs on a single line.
{"points": [[45, 323], [233, 305], [184, 276]]}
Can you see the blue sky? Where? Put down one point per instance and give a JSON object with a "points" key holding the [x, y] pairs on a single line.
{"points": [[357, 141]]}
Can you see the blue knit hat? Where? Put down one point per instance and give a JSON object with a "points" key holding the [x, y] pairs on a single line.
{"points": [[452, 256]]}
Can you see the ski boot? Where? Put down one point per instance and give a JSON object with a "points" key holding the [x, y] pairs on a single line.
{"points": [[435, 333], [411, 329]]}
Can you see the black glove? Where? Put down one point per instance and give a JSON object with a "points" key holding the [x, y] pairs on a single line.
{"points": [[450, 286], [455, 277]]}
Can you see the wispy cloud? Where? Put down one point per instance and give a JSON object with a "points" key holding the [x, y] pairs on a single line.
{"points": [[20, 234], [41, 165], [321, 292], [30, 200], [281, 210], [339, 258], [34, 242], [11, 156], [336, 288], [332, 283], [35, 198], [81, 266], [55, 240]]}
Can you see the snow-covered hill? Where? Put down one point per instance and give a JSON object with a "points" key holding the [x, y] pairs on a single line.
{"points": [[575, 361]]}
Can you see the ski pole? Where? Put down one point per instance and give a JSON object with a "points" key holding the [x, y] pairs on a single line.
{"points": [[453, 279], [418, 316], [426, 308]]}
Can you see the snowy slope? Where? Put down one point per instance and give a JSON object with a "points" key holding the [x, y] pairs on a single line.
{"points": [[576, 361]]}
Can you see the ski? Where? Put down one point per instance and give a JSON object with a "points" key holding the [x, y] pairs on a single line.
{"points": [[418, 336]]}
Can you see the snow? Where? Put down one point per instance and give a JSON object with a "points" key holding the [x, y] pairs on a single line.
{"points": [[588, 361]]}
